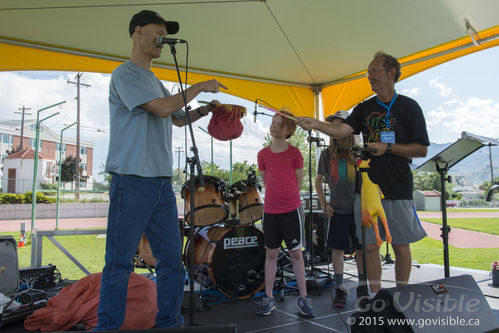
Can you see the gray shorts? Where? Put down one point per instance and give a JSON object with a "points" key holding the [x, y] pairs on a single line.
{"points": [[403, 222]]}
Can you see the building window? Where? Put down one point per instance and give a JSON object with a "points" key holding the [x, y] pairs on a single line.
{"points": [[32, 144], [58, 147], [7, 138], [83, 150], [3, 157], [33, 128]]}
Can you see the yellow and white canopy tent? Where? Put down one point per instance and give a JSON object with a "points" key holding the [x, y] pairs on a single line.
{"points": [[286, 52]]}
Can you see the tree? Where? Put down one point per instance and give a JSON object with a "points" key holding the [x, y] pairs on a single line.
{"points": [[430, 181], [486, 184], [107, 176], [68, 173], [240, 171]]}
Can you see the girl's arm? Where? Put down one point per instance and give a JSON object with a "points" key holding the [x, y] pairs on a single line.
{"points": [[299, 177]]}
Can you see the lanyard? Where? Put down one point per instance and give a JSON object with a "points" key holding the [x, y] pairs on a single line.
{"points": [[388, 108]]}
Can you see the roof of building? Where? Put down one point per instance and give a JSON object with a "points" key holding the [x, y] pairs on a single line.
{"points": [[432, 193], [27, 153]]}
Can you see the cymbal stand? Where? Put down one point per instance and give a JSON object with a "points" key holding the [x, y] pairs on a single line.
{"points": [[194, 163]]}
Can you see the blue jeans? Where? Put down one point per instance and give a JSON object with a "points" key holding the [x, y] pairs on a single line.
{"points": [[138, 205]]}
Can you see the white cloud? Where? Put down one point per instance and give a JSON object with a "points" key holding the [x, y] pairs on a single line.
{"points": [[412, 92], [443, 89], [474, 115]]}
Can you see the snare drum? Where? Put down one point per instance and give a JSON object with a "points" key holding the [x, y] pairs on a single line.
{"points": [[209, 203], [250, 202], [231, 259]]}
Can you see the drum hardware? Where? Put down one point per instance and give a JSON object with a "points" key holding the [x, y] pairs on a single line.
{"points": [[245, 194], [139, 262]]}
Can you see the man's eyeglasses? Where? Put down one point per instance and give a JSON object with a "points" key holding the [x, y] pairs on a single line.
{"points": [[374, 72]]}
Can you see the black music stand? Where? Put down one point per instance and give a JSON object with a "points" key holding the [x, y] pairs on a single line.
{"points": [[441, 163]]}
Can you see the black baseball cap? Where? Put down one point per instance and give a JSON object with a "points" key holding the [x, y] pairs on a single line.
{"points": [[148, 16]]}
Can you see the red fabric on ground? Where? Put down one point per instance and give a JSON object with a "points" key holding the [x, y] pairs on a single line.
{"points": [[78, 303]]}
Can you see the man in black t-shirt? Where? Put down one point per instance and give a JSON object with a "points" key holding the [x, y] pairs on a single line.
{"points": [[395, 127]]}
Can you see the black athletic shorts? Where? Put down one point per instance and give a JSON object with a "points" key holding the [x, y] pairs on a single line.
{"points": [[341, 234], [284, 226]]}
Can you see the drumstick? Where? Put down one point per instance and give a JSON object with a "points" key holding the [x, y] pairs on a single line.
{"points": [[278, 112]]}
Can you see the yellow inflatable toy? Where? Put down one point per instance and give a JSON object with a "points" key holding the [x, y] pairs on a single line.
{"points": [[371, 208]]}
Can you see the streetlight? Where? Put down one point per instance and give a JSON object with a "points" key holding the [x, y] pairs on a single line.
{"points": [[59, 179], [211, 147], [35, 169]]}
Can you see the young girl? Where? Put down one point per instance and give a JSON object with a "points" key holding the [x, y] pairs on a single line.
{"points": [[338, 165], [281, 168]]}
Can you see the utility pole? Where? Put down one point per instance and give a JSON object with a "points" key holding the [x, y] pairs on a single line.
{"points": [[77, 164], [178, 151], [22, 125]]}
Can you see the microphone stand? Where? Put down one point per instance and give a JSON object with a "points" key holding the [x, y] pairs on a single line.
{"points": [[193, 162], [315, 285]]}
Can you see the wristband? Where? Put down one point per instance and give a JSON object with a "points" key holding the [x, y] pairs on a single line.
{"points": [[388, 148], [200, 113]]}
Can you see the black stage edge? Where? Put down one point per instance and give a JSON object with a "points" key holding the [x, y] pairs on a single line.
{"points": [[226, 328]]}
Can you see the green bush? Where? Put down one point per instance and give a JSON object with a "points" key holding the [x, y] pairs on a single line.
{"points": [[12, 198], [40, 198], [48, 186]]}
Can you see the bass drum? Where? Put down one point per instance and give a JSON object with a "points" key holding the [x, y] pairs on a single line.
{"points": [[231, 259]]}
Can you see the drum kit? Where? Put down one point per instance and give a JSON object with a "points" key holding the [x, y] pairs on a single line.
{"points": [[229, 251]]}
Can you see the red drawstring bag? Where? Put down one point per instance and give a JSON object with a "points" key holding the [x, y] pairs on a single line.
{"points": [[225, 123]]}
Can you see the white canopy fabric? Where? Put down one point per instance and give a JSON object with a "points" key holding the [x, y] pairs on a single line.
{"points": [[285, 52]]}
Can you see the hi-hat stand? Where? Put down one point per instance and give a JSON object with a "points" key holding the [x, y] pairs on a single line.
{"points": [[194, 163]]}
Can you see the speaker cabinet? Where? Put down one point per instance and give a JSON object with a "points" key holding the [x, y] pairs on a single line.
{"points": [[318, 239], [454, 304]]}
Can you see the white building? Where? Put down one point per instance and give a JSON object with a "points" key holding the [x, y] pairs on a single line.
{"points": [[49, 148]]}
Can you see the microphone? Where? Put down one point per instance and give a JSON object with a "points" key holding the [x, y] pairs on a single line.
{"points": [[317, 140], [255, 113], [170, 41]]}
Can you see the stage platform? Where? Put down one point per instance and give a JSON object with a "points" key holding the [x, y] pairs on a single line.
{"points": [[286, 318]]}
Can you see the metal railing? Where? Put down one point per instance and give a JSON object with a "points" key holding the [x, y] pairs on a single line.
{"points": [[37, 244]]}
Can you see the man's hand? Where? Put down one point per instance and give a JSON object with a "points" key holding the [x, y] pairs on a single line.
{"points": [[307, 123], [379, 146], [212, 86]]}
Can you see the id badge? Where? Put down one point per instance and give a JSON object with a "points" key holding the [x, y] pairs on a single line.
{"points": [[388, 137]]}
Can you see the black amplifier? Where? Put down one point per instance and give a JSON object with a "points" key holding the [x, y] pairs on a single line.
{"points": [[37, 277]]}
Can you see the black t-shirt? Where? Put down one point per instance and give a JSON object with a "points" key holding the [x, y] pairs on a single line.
{"points": [[392, 173]]}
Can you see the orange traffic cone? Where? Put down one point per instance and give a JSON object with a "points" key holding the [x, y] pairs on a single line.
{"points": [[22, 239]]}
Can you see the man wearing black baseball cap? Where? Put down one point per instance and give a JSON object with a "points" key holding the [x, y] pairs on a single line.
{"points": [[148, 16], [142, 112]]}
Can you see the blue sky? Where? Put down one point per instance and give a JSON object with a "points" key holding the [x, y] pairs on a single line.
{"points": [[461, 95]]}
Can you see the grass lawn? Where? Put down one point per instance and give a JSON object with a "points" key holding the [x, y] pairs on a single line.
{"points": [[430, 251], [486, 225], [89, 250], [461, 210]]}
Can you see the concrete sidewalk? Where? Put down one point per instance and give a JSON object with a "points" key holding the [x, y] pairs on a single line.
{"points": [[49, 224]]}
